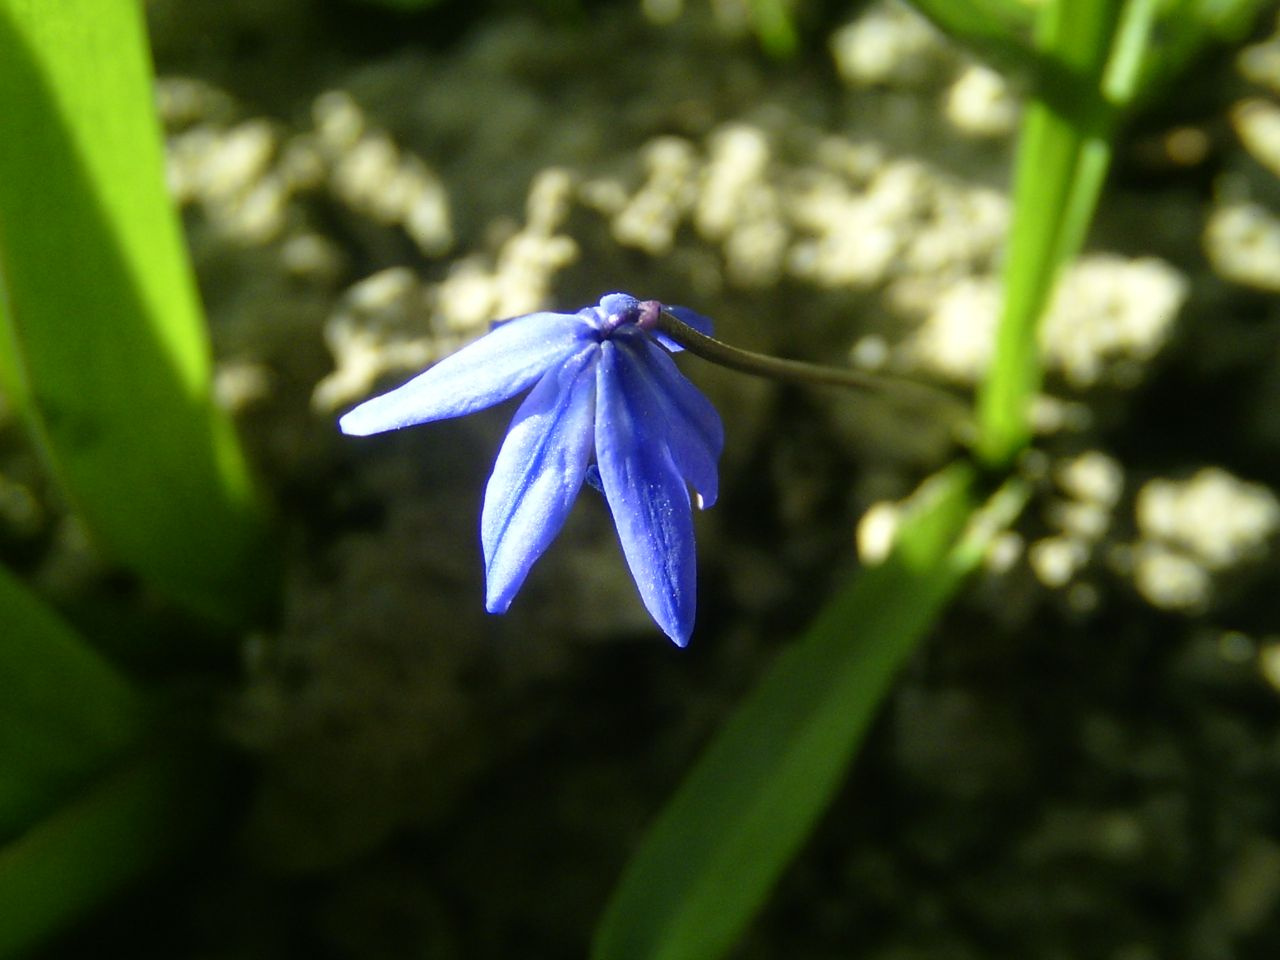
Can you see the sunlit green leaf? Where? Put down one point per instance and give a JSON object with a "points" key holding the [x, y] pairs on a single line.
{"points": [[1092, 52], [102, 345]]}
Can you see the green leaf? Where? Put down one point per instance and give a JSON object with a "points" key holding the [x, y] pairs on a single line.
{"points": [[65, 712], [997, 30], [775, 27], [102, 344], [1187, 27], [134, 820], [1092, 53], [752, 799]]}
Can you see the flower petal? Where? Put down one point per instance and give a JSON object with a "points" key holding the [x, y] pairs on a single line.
{"points": [[695, 435], [494, 368], [648, 497], [538, 475], [686, 316]]}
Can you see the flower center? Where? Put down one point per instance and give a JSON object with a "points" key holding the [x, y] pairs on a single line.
{"points": [[641, 313]]}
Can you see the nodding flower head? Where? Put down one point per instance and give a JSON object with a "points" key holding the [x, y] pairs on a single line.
{"points": [[619, 309], [606, 397]]}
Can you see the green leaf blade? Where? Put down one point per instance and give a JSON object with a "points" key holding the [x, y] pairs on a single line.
{"points": [[65, 713], [102, 345], [752, 799], [136, 818], [1091, 52], [998, 30]]}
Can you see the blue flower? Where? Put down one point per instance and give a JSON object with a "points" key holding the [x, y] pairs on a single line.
{"points": [[605, 389]]}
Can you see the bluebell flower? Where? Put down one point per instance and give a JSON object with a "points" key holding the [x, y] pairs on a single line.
{"points": [[608, 400]]}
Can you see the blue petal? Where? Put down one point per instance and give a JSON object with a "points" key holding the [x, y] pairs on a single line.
{"points": [[694, 434], [648, 498], [494, 368], [686, 316], [538, 475]]}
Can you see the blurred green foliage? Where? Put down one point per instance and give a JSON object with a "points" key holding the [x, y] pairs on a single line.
{"points": [[747, 807], [997, 30], [105, 358], [65, 715]]}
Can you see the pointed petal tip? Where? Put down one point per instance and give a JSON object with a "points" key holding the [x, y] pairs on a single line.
{"points": [[355, 424], [677, 624], [497, 603]]}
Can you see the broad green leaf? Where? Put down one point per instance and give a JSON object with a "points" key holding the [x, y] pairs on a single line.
{"points": [[139, 817], [752, 799], [64, 715], [1091, 56], [102, 346]]}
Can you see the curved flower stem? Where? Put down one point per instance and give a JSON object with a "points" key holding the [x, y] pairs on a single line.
{"points": [[795, 371]]}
